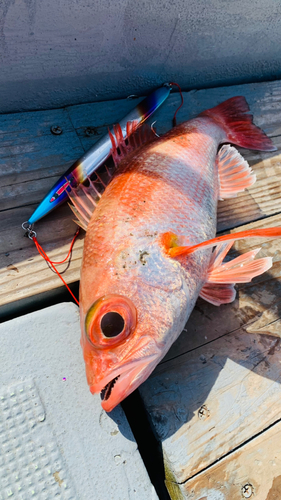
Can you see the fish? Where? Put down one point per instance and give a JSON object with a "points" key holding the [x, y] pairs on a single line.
{"points": [[150, 247]]}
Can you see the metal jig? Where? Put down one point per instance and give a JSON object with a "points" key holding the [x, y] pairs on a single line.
{"points": [[92, 159]]}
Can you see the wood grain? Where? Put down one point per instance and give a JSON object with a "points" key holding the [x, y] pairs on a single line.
{"points": [[23, 272], [207, 402], [255, 467]]}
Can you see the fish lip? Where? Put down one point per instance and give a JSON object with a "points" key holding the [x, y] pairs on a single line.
{"points": [[127, 381], [119, 371]]}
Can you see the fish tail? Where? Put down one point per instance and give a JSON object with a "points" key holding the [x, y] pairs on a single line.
{"points": [[233, 115]]}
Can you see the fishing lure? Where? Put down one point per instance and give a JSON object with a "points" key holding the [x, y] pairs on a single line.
{"points": [[85, 166]]}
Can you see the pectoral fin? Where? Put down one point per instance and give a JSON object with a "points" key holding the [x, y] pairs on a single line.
{"points": [[221, 277], [219, 287]]}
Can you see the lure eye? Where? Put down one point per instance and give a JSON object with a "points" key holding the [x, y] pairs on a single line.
{"points": [[110, 320]]}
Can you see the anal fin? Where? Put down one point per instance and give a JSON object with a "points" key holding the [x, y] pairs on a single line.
{"points": [[235, 174]]}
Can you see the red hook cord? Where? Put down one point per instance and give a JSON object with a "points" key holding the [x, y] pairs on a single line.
{"points": [[70, 250], [52, 263], [174, 119]]}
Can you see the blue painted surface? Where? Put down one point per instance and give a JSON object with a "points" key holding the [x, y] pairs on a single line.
{"points": [[60, 53]]}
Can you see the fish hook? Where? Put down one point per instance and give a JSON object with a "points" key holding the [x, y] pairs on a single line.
{"points": [[153, 130]]}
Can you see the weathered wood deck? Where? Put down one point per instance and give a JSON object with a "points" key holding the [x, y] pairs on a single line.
{"points": [[214, 401]]}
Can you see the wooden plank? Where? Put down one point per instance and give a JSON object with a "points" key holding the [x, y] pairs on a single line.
{"points": [[27, 144], [253, 471], [91, 121], [205, 403], [31, 159], [30, 127]]}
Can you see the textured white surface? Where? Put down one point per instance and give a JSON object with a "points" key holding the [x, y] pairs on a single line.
{"points": [[54, 53], [55, 440], [31, 465]]}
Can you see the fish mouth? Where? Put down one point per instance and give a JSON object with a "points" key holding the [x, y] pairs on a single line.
{"points": [[121, 382]]}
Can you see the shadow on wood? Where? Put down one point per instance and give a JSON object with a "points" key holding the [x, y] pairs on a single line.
{"points": [[219, 385]]}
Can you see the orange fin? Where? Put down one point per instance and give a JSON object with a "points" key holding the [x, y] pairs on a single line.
{"points": [[242, 269], [219, 288], [136, 137], [218, 294], [84, 199], [233, 116], [176, 251], [235, 174]]}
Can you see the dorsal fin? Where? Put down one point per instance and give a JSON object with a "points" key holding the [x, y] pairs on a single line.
{"points": [[136, 137], [84, 198]]}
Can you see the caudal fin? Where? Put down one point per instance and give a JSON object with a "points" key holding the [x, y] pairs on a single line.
{"points": [[233, 115]]}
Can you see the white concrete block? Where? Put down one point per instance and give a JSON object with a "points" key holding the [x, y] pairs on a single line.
{"points": [[55, 439]]}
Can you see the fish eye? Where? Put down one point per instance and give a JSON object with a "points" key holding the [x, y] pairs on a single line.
{"points": [[110, 320], [112, 324]]}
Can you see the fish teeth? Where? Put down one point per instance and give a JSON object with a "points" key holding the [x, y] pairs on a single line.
{"points": [[106, 391]]}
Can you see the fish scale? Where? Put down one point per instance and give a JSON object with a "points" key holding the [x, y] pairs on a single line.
{"points": [[173, 182]]}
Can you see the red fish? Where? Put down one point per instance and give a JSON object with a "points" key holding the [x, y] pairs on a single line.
{"points": [[148, 246]]}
